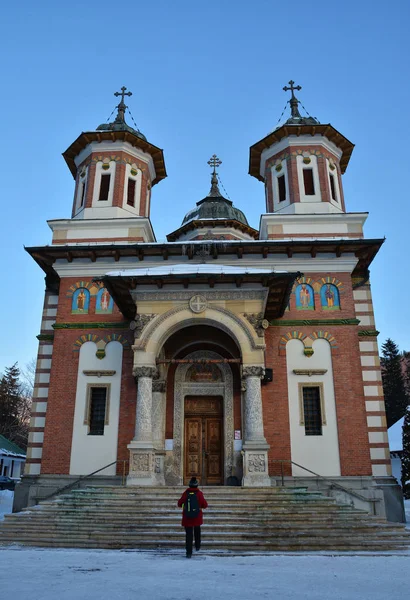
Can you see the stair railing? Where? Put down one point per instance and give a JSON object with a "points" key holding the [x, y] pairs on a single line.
{"points": [[330, 482], [70, 485]]}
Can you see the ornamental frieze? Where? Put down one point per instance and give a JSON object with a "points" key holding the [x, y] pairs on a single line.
{"points": [[256, 463]]}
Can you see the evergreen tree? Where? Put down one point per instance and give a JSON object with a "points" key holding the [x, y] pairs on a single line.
{"points": [[13, 408], [393, 382], [405, 460]]}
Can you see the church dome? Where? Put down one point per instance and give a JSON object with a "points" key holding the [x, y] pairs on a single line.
{"points": [[119, 124], [215, 206]]}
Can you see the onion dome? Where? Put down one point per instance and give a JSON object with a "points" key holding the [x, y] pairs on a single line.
{"points": [[296, 118], [214, 217], [119, 124], [215, 206]]}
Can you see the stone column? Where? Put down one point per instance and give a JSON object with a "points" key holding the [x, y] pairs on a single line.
{"points": [[142, 455], [158, 428], [255, 447]]}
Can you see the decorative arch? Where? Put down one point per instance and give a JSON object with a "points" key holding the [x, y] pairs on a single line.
{"points": [[183, 388], [104, 303], [291, 335], [331, 280], [86, 337], [320, 334], [162, 327], [116, 337]]}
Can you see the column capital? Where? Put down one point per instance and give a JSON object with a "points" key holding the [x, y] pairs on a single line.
{"points": [[253, 371], [158, 385], [144, 372]]}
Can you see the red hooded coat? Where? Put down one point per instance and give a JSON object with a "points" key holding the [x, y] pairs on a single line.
{"points": [[186, 522]]}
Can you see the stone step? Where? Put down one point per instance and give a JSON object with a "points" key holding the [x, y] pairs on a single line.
{"points": [[238, 519]]}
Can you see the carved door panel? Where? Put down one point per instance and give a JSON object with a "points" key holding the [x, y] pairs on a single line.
{"points": [[193, 448], [213, 451], [203, 440]]}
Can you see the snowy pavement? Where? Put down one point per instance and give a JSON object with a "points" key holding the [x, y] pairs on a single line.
{"points": [[34, 574]]}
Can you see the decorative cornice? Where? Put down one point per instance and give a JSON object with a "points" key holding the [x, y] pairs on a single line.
{"points": [[144, 372], [45, 337], [93, 325], [139, 323], [301, 322], [310, 372], [253, 371], [99, 373], [208, 294], [368, 332]]}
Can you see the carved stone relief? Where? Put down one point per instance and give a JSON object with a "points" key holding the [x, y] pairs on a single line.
{"points": [[139, 323]]}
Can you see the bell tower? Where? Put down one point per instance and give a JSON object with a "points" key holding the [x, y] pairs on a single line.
{"points": [[301, 164], [114, 168]]}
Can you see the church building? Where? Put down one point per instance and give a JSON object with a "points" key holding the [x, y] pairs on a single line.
{"points": [[240, 356]]}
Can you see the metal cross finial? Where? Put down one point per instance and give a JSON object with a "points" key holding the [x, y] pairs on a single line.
{"points": [[214, 162], [123, 93], [122, 106], [292, 87]]}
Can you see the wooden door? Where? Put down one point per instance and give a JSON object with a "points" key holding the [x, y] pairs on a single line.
{"points": [[203, 441]]}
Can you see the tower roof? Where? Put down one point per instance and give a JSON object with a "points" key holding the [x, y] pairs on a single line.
{"points": [[117, 130], [298, 125], [119, 123]]}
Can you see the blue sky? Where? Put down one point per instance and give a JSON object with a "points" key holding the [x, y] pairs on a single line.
{"points": [[206, 78]]}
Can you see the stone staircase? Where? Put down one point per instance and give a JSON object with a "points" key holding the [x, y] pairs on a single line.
{"points": [[237, 520]]}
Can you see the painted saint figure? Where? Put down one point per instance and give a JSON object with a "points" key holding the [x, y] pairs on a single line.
{"points": [[81, 300], [330, 297], [304, 296], [105, 300]]}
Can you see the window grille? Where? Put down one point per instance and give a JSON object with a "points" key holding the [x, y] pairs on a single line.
{"points": [[98, 396], [312, 414]]}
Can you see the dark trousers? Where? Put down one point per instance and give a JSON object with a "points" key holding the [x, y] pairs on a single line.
{"points": [[190, 532]]}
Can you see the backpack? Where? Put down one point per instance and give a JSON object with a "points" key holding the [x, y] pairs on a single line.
{"points": [[191, 507]]}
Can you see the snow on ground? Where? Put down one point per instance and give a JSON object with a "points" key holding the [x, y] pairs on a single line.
{"points": [[34, 574], [6, 503]]}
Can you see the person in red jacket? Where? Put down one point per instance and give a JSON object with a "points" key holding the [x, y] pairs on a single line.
{"points": [[192, 525]]}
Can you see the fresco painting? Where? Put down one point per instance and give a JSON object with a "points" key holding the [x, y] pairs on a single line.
{"points": [[329, 296], [304, 297], [105, 303], [80, 302]]}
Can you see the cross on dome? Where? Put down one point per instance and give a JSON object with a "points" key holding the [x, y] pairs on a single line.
{"points": [[292, 87], [214, 162], [122, 106]]}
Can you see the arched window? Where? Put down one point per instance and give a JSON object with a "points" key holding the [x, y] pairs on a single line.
{"points": [[329, 296], [305, 297]]}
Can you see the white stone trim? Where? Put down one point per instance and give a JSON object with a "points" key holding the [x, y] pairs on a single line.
{"points": [[44, 377], [368, 347], [333, 173], [381, 470], [378, 437], [36, 452], [46, 350], [369, 361], [371, 390], [38, 422], [361, 295], [275, 185], [45, 363], [99, 172], [372, 375], [137, 194], [39, 407], [33, 469], [374, 421], [363, 308], [312, 166], [374, 406], [366, 320]]}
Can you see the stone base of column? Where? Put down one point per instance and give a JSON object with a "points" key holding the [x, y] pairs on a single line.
{"points": [[142, 464], [255, 465]]}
